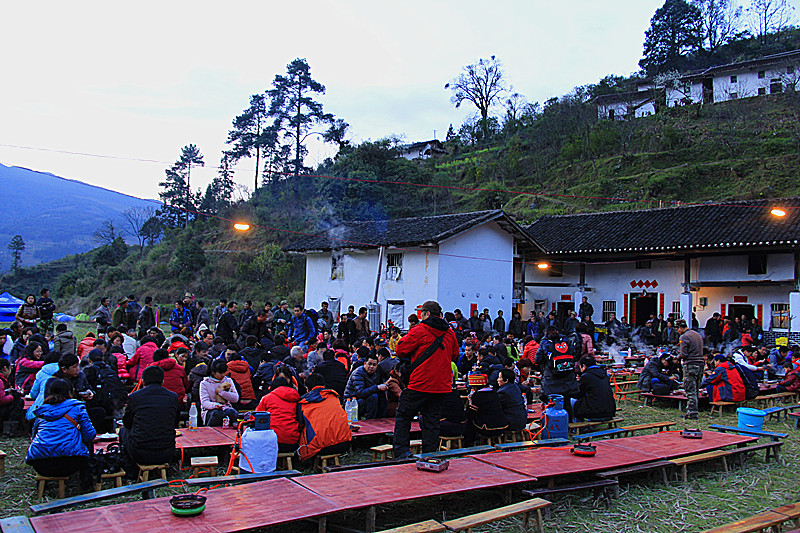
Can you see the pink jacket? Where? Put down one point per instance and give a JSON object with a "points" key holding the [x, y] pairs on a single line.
{"points": [[142, 358], [587, 347]]}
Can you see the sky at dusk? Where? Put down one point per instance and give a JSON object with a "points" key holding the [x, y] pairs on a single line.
{"points": [[134, 82]]}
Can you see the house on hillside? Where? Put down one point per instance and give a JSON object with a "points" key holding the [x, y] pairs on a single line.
{"points": [[736, 259], [770, 74], [622, 106], [464, 260], [421, 150]]}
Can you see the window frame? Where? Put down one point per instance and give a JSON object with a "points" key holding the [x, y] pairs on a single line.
{"points": [[398, 266], [757, 265], [609, 306], [337, 266], [779, 315]]}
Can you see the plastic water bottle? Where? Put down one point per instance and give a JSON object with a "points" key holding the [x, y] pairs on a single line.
{"points": [[355, 410], [348, 408], [193, 416]]}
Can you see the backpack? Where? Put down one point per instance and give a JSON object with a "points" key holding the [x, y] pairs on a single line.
{"points": [[314, 316], [108, 461], [561, 357], [111, 393]]}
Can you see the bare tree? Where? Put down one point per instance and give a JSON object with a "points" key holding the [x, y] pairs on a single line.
{"points": [[107, 233], [769, 16], [133, 219], [720, 21], [482, 84]]}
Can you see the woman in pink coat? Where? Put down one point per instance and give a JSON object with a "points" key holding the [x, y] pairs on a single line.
{"points": [[142, 358]]}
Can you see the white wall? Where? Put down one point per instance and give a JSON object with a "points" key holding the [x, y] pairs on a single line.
{"points": [[734, 268], [621, 110], [486, 280], [719, 296]]}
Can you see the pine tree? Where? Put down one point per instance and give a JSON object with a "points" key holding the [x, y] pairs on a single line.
{"points": [[177, 194], [294, 109], [676, 30], [17, 246], [246, 135]]}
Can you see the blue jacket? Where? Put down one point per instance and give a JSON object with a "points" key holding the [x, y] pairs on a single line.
{"points": [[37, 391], [301, 328], [179, 320], [56, 436], [362, 384]]}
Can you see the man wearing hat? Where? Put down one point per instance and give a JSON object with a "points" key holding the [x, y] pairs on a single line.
{"points": [[691, 355], [118, 320], [428, 350]]}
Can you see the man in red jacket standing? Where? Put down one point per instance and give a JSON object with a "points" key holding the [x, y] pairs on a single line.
{"points": [[430, 347]]}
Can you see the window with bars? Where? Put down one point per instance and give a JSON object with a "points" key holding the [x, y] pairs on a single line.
{"points": [[394, 267], [609, 306], [676, 311], [337, 265], [780, 316]]}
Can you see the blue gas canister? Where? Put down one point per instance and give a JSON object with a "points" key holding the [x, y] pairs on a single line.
{"points": [[261, 421], [556, 419]]}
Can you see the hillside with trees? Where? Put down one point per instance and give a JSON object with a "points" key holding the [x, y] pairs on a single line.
{"points": [[528, 158]]}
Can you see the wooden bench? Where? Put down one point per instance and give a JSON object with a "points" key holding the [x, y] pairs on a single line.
{"points": [[16, 524], [204, 463], [510, 446], [683, 462], [625, 386], [759, 522], [382, 452], [772, 449], [285, 461], [146, 489], [719, 406], [458, 452], [603, 489], [116, 477], [654, 466], [450, 443], [144, 471], [42, 480], [577, 427], [2, 463], [796, 417], [773, 435], [791, 511], [612, 433], [622, 396], [415, 446], [428, 526], [514, 436], [321, 461], [658, 426], [467, 523], [240, 478]]}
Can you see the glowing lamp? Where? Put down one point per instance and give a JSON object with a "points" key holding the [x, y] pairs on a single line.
{"points": [[778, 212], [542, 266], [241, 226]]}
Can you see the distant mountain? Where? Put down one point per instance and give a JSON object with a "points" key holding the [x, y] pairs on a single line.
{"points": [[55, 216]]}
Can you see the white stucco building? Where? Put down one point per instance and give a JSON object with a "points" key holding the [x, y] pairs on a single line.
{"points": [[421, 150], [462, 261]]}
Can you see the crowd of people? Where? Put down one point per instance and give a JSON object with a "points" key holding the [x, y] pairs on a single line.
{"points": [[305, 366]]}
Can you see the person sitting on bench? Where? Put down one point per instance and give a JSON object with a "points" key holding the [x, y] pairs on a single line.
{"points": [[725, 384], [512, 400], [365, 386], [453, 418], [281, 402], [59, 446], [324, 427], [217, 393], [791, 382], [595, 399], [484, 410], [147, 435]]}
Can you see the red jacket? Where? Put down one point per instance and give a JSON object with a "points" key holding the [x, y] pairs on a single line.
{"points": [[282, 406], [435, 374], [85, 346], [239, 371], [142, 358], [792, 381], [122, 370], [726, 383], [174, 377]]}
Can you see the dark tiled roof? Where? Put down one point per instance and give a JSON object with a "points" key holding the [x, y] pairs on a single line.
{"points": [[398, 232], [707, 227], [752, 63]]}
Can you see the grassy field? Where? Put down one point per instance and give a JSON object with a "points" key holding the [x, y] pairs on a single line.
{"points": [[710, 498]]}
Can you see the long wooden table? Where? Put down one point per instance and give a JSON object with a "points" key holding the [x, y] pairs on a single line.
{"points": [[670, 444], [202, 437], [237, 508]]}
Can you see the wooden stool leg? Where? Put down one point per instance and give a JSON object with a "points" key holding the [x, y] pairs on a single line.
{"points": [[62, 485], [40, 489], [164, 474], [144, 475], [118, 481]]}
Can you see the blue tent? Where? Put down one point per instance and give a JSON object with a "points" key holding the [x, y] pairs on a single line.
{"points": [[9, 304]]}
